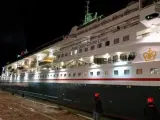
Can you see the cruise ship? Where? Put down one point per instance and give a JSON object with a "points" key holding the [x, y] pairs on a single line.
{"points": [[117, 56]]}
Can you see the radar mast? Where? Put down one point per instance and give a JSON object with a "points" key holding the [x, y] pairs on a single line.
{"points": [[89, 17]]}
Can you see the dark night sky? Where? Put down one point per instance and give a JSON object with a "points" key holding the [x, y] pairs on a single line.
{"points": [[31, 23]]}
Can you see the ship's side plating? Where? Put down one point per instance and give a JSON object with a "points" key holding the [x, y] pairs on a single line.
{"points": [[118, 100], [118, 56]]}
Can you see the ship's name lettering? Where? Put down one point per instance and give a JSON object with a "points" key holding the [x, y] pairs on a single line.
{"points": [[77, 46]]}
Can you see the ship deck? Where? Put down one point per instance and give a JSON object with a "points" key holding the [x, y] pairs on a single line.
{"points": [[13, 107]]}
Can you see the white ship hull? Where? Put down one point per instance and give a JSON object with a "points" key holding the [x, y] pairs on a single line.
{"points": [[117, 56], [122, 95]]}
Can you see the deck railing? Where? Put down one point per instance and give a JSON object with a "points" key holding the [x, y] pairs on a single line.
{"points": [[149, 2]]}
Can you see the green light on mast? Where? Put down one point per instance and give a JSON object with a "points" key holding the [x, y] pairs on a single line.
{"points": [[89, 16]]}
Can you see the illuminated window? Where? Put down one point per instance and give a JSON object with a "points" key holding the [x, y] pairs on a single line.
{"points": [[98, 73], [126, 38], [126, 72], [79, 74], [154, 71], [71, 53], [86, 49], [116, 40], [75, 52], [115, 72], [91, 73], [99, 45], [92, 47], [139, 71]]}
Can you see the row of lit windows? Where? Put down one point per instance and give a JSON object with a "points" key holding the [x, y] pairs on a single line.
{"points": [[70, 75], [93, 47], [98, 73]]}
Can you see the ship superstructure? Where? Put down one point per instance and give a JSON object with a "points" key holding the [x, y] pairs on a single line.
{"points": [[118, 56]]}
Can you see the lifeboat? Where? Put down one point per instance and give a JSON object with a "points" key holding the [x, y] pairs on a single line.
{"points": [[45, 61]]}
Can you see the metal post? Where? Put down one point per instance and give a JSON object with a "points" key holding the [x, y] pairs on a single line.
{"points": [[37, 63], [140, 4]]}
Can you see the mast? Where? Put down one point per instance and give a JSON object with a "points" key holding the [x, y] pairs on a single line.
{"points": [[140, 4], [89, 17], [88, 2]]}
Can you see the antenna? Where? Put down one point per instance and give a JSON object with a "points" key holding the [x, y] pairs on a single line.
{"points": [[140, 4], [88, 2]]}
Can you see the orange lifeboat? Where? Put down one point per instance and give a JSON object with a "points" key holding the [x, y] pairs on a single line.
{"points": [[46, 61]]}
